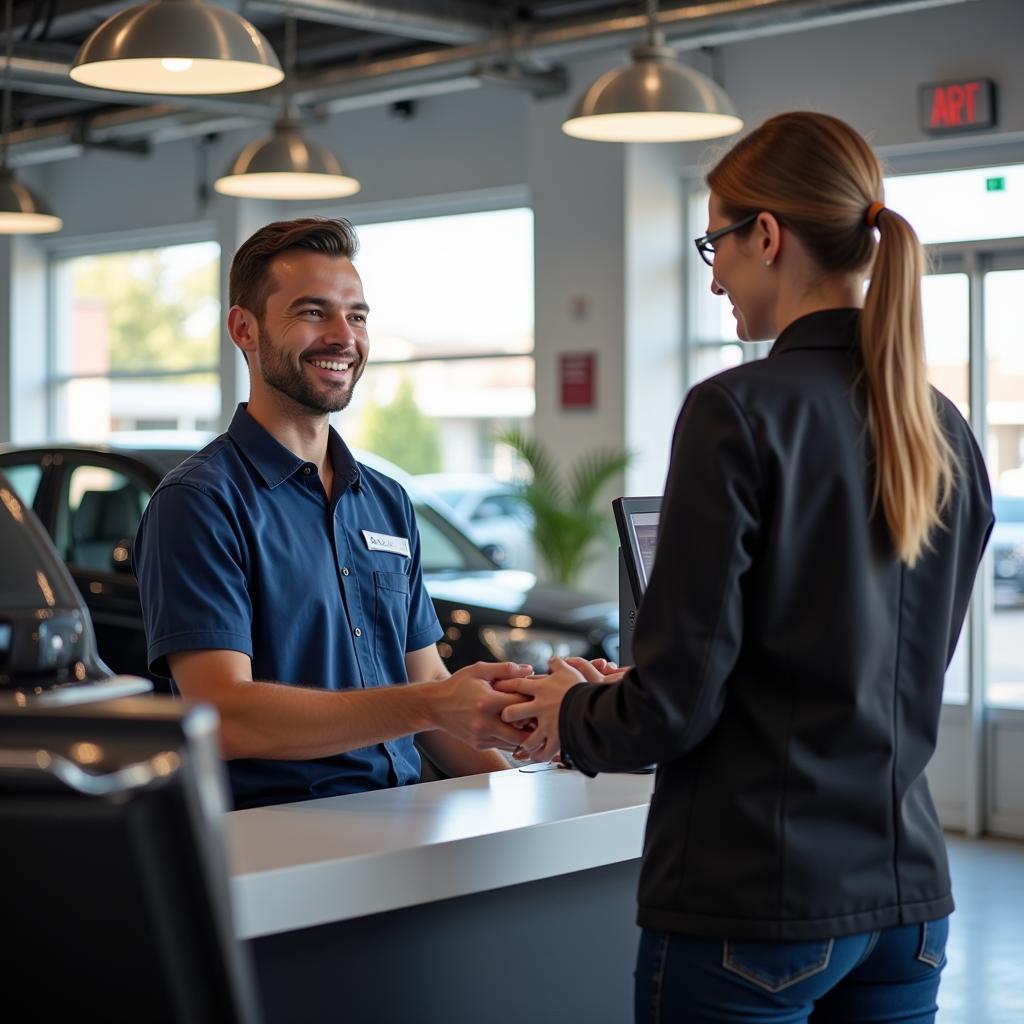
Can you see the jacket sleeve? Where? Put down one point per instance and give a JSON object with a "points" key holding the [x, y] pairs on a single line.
{"points": [[690, 623]]}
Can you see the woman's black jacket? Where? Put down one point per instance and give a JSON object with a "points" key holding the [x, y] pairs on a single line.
{"points": [[789, 667]]}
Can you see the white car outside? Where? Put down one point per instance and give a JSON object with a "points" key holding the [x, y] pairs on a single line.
{"points": [[492, 512]]}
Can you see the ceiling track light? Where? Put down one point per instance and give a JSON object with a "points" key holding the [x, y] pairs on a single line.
{"points": [[285, 164], [22, 212], [653, 99], [177, 48]]}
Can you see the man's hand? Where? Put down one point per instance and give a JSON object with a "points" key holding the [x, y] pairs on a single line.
{"points": [[469, 707], [541, 700]]}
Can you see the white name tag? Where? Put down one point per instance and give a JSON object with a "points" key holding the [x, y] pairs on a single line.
{"points": [[382, 542]]}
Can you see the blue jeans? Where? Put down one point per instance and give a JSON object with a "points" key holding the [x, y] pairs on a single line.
{"points": [[890, 975]]}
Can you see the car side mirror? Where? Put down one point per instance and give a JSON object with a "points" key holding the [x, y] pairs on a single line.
{"points": [[121, 556]]}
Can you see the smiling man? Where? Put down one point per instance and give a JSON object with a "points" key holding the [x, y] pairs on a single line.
{"points": [[280, 579]]}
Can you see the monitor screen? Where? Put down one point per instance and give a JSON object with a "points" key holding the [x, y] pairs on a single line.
{"points": [[637, 522]]}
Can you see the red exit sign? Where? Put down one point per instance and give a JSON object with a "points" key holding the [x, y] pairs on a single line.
{"points": [[958, 106]]}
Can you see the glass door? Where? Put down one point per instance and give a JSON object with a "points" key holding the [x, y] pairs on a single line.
{"points": [[975, 351], [1004, 449], [945, 298]]}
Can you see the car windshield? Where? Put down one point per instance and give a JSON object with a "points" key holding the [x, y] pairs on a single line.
{"points": [[447, 495], [31, 577], [443, 548]]}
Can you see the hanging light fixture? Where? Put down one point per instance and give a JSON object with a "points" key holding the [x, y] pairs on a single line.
{"points": [[177, 48], [654, 99], [284, 165], [21, 211]]}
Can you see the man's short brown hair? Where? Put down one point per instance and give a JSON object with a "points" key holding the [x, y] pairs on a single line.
{"points": [[249, 283]]}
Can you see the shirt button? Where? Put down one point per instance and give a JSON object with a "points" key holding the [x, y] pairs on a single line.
{"points": [[344, 571], [307, 470], [357, 631]]}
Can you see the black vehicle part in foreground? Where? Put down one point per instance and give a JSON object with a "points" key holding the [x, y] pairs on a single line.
{"points": [[112, 816]]}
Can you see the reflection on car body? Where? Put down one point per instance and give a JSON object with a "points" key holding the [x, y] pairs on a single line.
{"points": [[91, 499]]}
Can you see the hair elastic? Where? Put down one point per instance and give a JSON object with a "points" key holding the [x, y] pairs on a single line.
{"points": [[874, 210]]}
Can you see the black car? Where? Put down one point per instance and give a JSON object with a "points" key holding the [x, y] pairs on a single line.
{"points": [[91, 499], [47, 647]]}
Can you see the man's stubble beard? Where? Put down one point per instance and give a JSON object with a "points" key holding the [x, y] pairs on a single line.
{"points": [[288, 379]]}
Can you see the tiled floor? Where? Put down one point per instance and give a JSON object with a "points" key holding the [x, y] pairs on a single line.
{"points": [[984, 982]]}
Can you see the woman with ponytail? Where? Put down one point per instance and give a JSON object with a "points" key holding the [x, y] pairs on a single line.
{"points": [[824, 517]]}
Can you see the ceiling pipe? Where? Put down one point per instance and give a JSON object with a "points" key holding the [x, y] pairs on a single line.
{"points": [[446, 22], [434, 71], [686, 27]]}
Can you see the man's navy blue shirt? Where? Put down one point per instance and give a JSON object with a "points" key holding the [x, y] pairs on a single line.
{"points": [[240, 549]]}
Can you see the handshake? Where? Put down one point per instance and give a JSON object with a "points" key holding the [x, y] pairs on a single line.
{"points": [[507, 707]]}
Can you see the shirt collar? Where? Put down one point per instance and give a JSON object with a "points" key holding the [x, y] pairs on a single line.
{"points": [[345, 467], [276, 463], [826, 328]]}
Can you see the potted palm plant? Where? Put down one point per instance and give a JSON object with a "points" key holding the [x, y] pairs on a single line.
{"points": [[568, 521]]}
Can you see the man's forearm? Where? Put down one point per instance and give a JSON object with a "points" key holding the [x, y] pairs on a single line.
{"points": [[284, 722], [272, 720]]}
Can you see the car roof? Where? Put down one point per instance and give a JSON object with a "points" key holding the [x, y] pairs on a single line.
{"points": [[162, 459], [465, 482]]}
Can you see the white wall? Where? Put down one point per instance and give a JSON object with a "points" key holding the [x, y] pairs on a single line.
{"points": [[608, 218]]}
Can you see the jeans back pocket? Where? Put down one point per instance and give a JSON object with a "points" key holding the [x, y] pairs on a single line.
{"points": [[774, 966]]}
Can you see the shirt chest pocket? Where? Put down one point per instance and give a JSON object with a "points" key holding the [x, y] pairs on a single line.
{"points": [[391, 607]]}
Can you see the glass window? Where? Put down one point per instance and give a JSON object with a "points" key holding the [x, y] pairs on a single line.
{"points": [[1004, 450], [451, 334], [945, 305], [136, 341], [958, 206], [101, 507], [25, 480], [442, 547]]}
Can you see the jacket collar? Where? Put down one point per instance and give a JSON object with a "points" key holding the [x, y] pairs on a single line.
{"points": [[827, 328], [275, 463]]}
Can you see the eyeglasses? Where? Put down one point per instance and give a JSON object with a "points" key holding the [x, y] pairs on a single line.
{"points": [[706, 243]]}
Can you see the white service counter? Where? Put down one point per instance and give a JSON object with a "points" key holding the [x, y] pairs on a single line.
{"points": [[380, 905]]}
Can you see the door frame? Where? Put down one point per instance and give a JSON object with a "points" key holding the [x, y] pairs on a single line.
{"points": [[976, 786]]}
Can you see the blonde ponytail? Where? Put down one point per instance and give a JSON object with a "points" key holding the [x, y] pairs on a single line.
{"points": [[914, 464]]}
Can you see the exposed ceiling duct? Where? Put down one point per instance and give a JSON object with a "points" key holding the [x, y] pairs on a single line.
{"points": [[517, 54], [440, 22]]}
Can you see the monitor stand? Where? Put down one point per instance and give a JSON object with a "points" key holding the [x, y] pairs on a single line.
{"points": [[627, 623], [627, 614]]}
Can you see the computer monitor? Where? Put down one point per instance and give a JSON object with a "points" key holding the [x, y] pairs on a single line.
{"points": [[637, 523], [116, 902]]}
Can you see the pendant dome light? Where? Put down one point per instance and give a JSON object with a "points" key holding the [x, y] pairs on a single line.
{"points": [[654, 99], [177, 48], [22, 212], [284, 164]]}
